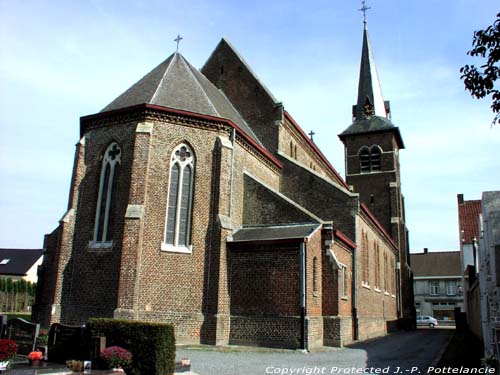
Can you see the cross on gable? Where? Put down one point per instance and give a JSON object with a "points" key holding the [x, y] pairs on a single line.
{"points": [[114, 152], [177, 40], [311, 134]]}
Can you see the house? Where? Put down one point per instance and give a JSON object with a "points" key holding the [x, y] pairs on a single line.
{"points": [[20, 264], [487, 320], [197, 200], [437, 283], [469, 213]]}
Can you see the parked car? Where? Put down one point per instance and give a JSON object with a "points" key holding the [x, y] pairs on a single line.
{"points": [[426, 321]]}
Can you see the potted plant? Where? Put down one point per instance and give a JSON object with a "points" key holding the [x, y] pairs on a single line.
{"points": [[116, 358], [42, 342], [8, 350], [35, 358]]}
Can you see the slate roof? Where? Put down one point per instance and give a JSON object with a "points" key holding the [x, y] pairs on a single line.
{"points": [[444, 263], [175, 83], [468, 220], [20, 260], [369, 84], [369, 90], [274, 232]]}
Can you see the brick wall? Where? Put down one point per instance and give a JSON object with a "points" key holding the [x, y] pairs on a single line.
{"points": [[259, 277], [323, 198]]}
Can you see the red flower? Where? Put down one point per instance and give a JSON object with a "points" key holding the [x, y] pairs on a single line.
{"points": [[116, 357], [8, 349], [37, 355]]}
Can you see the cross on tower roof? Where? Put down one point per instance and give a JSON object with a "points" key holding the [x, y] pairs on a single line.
{"points": [[178, 39], [363, 9], [311, 134]]}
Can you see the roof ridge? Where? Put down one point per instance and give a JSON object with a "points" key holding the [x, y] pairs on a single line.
{"points": [[199, 85], [160, 84], [247, 66]]}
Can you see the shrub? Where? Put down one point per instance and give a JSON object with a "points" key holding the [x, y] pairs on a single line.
{"points": [[152, 344], [116, 357], [8, 349]]}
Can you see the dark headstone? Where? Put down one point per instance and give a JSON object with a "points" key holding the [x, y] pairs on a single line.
{"points": [[23, 333], [68, 342]]}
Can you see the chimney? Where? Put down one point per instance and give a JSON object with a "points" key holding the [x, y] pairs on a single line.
{"points": [[460, 198], [426, 250]]}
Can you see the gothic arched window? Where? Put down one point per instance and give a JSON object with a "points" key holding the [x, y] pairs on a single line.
{"points": [[315, 274], [369, 159], [105, 211], [180, 196], [375, 154]]}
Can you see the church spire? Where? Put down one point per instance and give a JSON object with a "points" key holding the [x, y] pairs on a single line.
{"points": [[370, 100]]}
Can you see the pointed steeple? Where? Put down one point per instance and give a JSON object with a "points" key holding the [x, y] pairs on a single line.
{"points": [[370, 100]]}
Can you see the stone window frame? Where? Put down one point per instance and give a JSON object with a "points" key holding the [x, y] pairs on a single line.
{"points": [[342, 276], [181, 159], [107, 186], [370, 158], [366, 259]]}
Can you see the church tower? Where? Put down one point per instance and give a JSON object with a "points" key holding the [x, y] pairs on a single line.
{"points": [[372, 144]]}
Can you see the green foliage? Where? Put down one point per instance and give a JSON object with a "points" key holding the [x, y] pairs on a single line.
{"points": [[152, 344], [480, 82]]}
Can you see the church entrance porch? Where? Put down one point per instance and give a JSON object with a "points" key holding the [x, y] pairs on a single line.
{"points": [[267, 286]]}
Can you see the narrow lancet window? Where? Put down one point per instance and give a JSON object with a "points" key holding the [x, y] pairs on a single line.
{"points": [[105, 211], [180, 196]]}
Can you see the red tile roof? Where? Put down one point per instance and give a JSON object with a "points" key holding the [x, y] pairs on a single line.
{"points": [[468, 216]]}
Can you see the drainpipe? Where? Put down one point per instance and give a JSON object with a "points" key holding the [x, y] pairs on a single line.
{"points": [[355, 294], [302, 254], [233, 142]]}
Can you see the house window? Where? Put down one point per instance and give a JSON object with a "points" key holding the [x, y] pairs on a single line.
{"points": [[451, 288], [377, 264], [180, 196], [343, 281], [4, 261], [366, 257], [106, 198], [434, 288], [370, 159]]}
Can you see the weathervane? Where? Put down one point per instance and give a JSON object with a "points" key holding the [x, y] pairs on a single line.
{"points": [[178, 39], [363, 9]]}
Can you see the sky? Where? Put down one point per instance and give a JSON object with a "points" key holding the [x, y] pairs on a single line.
{"points": [[61, 60]]}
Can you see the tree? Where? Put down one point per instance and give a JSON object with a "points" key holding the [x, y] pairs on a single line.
{"points": [[481, 82]]}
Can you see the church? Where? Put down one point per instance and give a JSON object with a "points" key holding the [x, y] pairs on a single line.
{"points": [[197, 200]]}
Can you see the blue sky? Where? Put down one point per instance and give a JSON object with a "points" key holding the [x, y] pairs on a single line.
{"points": [[64, 59]]}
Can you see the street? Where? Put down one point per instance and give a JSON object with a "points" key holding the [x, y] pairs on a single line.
{"points": [[401, 352]]}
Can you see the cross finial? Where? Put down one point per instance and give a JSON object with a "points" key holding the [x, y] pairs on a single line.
{"points": [[311, 134], [363, 9], [178, 39]]}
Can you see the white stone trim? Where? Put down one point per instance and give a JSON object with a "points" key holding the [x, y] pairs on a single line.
{"points": [[176, 249], [134, 211], [144, 127]]}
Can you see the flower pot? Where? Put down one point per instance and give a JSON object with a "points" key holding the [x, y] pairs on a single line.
{"points": [[35, 362], [4, 365], [117, 369]]}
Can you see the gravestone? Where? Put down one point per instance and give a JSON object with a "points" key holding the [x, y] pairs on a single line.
{"points": [[24, 333], [68, 342]]}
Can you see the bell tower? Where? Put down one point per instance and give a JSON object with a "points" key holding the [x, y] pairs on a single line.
{"points": [[372, 144]]}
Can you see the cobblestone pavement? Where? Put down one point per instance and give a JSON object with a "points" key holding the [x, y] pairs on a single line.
{"points": [[406, 353]]}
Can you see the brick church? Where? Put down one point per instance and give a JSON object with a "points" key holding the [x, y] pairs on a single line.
{"points": [[197, 200]]}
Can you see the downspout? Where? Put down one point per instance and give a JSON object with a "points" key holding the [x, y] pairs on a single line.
{"points": [[355, 294], [233, 142], [302, 254]]}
